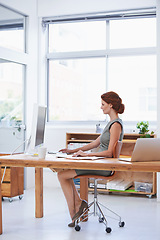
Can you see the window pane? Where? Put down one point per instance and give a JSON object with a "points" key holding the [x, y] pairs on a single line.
{"points": [[75, 87], [11, 29], [133, 33], [13, 39], [79, 36], [134, 78], [11, 91]]}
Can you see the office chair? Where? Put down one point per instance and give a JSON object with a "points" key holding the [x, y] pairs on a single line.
{"points": [[97, 205]]}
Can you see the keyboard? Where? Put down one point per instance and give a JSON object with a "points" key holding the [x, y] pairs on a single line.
{"points": [[61, 155]]}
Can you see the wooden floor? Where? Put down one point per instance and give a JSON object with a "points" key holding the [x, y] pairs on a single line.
{"points": [[141, 215]]}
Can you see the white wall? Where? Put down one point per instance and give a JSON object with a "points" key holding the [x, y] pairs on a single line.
{"points": [[55, 137], [24, 7], [12, 138], [64, 7]]}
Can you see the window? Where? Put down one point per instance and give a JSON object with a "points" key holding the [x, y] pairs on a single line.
{"points": [[133, 33], [69, 37], [12, 39], [12, 64], [148, 100], [75, 88], [134, 78], [88, 58], [12, 29], [11, 91]]}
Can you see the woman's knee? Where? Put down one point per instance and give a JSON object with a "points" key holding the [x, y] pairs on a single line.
{"points": [[65, 175]]}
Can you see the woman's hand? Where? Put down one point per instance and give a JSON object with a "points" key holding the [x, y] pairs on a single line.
{"points": [[80, 153], [66, 150]]}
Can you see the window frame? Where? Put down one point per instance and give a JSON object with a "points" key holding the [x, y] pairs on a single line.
{"points": [[17, 57], [107, 53]]}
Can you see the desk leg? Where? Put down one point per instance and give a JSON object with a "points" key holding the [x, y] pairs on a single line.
{"points": [[84, 190], [0, 205], [38, 192]]}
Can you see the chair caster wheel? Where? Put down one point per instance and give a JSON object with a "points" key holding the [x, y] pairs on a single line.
{"points": [[77, 228], [108, 229], [20, 197], [121, 224], [101, 219]]}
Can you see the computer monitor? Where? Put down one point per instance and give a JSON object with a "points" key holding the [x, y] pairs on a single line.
{"points": [[38, 128]]}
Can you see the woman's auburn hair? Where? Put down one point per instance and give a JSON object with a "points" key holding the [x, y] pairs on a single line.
{"points": [[114, 99]]}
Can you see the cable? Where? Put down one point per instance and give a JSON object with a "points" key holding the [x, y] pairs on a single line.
{"points": [[12, 154], [3, 174]]}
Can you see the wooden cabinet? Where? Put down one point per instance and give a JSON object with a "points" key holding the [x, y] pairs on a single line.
{"points": [[129, 141], [80, 137], [13, 181]]}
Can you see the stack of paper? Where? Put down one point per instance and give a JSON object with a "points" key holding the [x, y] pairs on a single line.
{"points": [[119, 184]]}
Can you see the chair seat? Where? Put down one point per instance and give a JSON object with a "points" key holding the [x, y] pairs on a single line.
{"points": [[97, 176]]}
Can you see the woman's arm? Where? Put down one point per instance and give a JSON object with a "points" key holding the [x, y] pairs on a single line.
{"points": [[87, 147], [115, 132]]}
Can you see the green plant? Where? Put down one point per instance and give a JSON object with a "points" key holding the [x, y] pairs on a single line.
{"points": [[1, 117], [144, 129], [13, 119]]}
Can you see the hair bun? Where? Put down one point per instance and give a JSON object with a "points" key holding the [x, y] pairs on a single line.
{"points": [[121, 108], [115, 100]]}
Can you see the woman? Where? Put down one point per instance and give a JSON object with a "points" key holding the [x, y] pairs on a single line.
{"points": [[111, 104]]}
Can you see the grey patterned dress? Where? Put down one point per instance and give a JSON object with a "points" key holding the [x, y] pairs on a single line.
{"points": [[104, 143]]}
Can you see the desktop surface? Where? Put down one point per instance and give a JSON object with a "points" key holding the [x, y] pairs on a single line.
{"points": [[113, 164]]}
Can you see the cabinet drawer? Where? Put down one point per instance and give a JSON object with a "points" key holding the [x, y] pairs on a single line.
{"points": [[7, 177], [6, 189]]}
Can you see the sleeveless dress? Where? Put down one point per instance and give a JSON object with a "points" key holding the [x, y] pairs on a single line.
{"points": [[104, 143]]}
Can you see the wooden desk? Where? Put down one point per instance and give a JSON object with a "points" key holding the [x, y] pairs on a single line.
{"points": [[129, 140], [22, 160]]}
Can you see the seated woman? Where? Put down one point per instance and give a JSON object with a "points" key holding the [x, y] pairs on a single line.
{"points": [[111, 104]]}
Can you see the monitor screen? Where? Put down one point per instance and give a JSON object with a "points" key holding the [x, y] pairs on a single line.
{"points": [[38, 128], [41, 120]]}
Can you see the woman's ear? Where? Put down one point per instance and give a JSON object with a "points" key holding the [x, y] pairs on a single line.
{"points": [[110, 105]]}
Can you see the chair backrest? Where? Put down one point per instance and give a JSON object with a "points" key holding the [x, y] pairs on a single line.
{"points": [[117, 149]]}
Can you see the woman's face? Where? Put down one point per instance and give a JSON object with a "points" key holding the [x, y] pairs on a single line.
{"points": [[106, 107]]}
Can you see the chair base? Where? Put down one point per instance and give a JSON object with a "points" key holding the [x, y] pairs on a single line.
{"points": [[100, 214], [97, 211]]}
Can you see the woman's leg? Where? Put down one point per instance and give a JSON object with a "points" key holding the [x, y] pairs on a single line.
{"points": [[77, 199], [73, 200]]}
